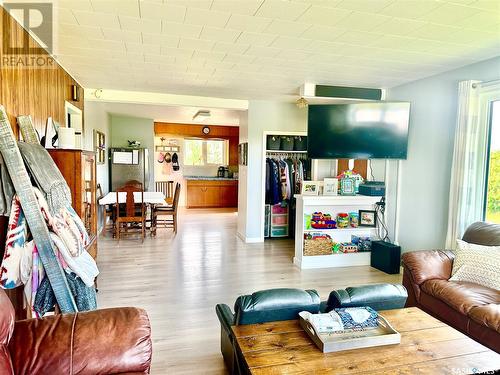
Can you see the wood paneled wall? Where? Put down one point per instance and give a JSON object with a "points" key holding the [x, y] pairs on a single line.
{"points": [[231, 133], [36, 91]]}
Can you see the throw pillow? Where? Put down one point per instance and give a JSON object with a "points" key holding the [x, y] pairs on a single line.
{"points": [[477, 264]]}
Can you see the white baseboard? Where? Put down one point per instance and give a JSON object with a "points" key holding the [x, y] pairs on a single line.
{"points": [[249, 239]]}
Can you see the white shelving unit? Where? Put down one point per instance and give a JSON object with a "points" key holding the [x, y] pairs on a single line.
{"points": [[333, 205]]}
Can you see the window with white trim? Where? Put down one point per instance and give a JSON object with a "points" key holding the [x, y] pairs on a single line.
{"points": [[200, 152]]}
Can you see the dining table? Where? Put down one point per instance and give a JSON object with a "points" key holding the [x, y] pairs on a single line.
{"points": [[150, 197]]}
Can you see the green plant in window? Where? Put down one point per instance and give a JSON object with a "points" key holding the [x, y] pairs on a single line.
{"points": [[493, 197]]}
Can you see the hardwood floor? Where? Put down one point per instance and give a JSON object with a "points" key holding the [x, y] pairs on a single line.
{"points": [[179, 280]]}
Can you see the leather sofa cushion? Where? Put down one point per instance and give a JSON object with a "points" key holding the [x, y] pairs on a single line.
{"points": [[480, 233], [488, 315], [275, 305], [430, 264], [461, 295]]}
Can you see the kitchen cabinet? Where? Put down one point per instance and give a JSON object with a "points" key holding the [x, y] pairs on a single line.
{"points": [[212, 193]]}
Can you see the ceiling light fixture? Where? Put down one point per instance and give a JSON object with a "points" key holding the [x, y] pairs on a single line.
{"points": [[201, 115], [301, 103]]}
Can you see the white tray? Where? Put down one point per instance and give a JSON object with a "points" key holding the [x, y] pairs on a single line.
{"points": [[385, 334]]}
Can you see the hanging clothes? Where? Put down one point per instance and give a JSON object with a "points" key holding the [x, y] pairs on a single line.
{"points": [[284, 177], [21, 264]]}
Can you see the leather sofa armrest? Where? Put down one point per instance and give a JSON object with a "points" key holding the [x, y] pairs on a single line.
{"points": [[96, 342], [226, 317], [428, 264]]}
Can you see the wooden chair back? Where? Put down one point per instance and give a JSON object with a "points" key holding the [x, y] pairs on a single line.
{"points": [[129, 210], [177, 194], [99, 192], [137, 184], [165, 187]]}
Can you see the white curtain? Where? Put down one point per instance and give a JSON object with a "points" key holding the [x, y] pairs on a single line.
{"points": [[467, 186]]}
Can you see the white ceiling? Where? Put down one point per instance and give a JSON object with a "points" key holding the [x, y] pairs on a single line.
{"points": [[261, 48], [176, 114]]}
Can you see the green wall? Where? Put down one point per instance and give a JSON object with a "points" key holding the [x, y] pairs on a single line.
{"points": [[125, 128]]}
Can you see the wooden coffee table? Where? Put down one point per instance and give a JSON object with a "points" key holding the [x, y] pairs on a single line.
{"points": [[428, 346]]}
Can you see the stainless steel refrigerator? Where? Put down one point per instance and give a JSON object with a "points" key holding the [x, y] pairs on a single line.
{"points": [[128, 164]]}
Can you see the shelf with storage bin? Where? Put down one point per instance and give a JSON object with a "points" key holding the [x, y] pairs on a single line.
{"points": [[285, 152], [307, 205]]}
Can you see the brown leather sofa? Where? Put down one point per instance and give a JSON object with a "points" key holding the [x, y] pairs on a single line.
{"points": [[468, 307], [108, 341]]}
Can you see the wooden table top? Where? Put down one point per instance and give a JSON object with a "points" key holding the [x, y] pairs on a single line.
{"points": [[428, 346]]}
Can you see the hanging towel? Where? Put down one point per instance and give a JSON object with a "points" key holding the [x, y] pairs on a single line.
{"points": [[47, 176]]}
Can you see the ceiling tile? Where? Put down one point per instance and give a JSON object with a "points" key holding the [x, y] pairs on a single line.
{"points": [[361, 21], [287, 28], [238, 48], [81, 31], [179, 29], [197, 44], [205, 17], [237, 58], [248, 7], [484, 21], [493, 5], [138, 24], [218, 56], [248, 23], [322, 47], [119, 7], [161, 39], [324, 33], [359, 37], [64, 15], [168, 12], [96, 19], [219, 34], [176, 52], [449, 14], [263, 51], [202, 4], [398, 26], [134, 48], [436, 32], [372, 6], [283, 10], [410, 8], [290, 42], [324, 16], [75, 5], [257, 39], [293, 55], [122, 35]]}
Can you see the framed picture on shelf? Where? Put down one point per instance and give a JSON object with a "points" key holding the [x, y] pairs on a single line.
{"points": [[330, 186], [310, 188], [347, 186], [367, 218]]}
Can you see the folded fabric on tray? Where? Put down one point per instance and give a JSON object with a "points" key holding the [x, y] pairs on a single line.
{"points": [[343, 319]]}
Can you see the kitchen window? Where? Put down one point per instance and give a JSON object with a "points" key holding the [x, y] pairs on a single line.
{"points": [[200, 152]]}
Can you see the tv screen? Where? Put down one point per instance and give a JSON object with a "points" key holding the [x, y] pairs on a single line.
{"points": [[372, 130]]}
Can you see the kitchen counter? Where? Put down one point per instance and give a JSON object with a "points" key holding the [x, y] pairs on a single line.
{"points": [[206, 191], [210, 178]]}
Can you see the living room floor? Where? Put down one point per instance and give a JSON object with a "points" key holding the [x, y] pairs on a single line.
{"points": [[178, 280]]}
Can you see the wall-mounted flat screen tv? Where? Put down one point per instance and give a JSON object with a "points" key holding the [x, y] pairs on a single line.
{"points": [[368, 130]]}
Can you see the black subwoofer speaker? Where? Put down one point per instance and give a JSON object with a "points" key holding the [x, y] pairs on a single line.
{"points": [[385, 256]]}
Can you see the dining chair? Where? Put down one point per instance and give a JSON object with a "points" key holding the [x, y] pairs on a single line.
{"points": [[138, 184], [131, 213], [171, 212], [167, 188], [108, 212]]}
